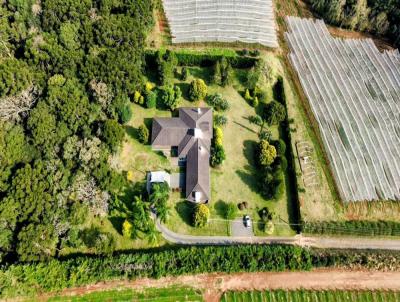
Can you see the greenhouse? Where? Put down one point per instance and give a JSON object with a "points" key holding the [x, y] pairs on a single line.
{"points": [[221, 21], [354, 93]]}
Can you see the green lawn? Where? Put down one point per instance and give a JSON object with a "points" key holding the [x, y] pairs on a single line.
{"points": [[171, 294], [234, 182], [311, 296]]}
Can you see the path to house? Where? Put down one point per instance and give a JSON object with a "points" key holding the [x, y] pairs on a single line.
{"points": [[320, 242], [215, 284]]}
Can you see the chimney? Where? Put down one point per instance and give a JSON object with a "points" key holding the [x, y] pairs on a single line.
{"points": [[198, 110]]}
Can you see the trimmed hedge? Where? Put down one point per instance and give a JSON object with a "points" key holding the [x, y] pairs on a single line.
{"points": [[28, 279], [280, 96], [382, 260], [353, 227], [192, 58]]}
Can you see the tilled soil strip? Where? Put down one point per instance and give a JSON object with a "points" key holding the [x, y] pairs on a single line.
{"points": [[213, 285]]}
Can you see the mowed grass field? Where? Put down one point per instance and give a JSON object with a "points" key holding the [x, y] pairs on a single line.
{"points": [[172, 294], [311, 296], [234, 182]]}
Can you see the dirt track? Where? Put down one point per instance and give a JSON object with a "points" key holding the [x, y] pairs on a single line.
{"points": [[214, 285]]}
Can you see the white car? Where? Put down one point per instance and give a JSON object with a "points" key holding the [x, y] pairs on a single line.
{"points": [[247, 221]]}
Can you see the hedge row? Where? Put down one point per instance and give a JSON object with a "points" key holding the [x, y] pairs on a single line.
{"points": [[382, 260], [280, 96], [353, 227], [25, 279], [203, 60], [33, 278]]}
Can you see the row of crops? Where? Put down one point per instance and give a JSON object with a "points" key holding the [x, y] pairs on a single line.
{"points": [[311, 296], [354, 93], [250, 21]]}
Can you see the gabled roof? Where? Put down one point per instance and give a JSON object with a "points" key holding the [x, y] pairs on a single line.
{"points": [[198, 171], [168, 131]]}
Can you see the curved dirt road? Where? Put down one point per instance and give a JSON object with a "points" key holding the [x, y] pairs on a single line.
{"points": [[214, 285]]}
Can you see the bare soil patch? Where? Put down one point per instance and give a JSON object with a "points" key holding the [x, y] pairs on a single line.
{"points": [[382, 44], [214, 285]]}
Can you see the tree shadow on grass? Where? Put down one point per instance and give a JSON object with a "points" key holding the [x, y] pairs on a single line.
{"points": [[245, 127], [241, 75], [185, 211], [148, 122], [132, 132], [221, 207], [184, 87], [249, 174], [204, 73], [117, 223], [249, 148]]}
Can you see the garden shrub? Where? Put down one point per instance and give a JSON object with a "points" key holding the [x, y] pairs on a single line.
{"points": [[99, 242], [283, 162], [247, 95], [138, 98], [218, 136], [184, 73], [223, 72], [217, 149], [230, 211], [201, 215], [274, 113], [127, 229], [256, 120], [149, 86], [197, 90], [267, 153], [217, 155], [143, 134], [151, 99], [265, 135], [280, 146], [171, 96], [255, 102], [220, 120], [217, 102]]}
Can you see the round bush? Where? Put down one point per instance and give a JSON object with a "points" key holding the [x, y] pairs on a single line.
{"points": [[151, 99], [201, 215], [197, 90]]}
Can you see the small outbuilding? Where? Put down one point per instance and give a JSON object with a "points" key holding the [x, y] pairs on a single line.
{"points": [[157, 177]]}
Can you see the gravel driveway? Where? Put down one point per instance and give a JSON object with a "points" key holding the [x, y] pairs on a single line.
{"points": [[239, 230]]}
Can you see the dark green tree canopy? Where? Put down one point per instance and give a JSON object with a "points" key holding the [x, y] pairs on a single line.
{"points": [[15, 76], [274, 113], [84, 60]]}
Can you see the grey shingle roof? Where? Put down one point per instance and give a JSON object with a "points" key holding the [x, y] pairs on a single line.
{"points": [[198, 171], [180, 132], [168, 131]]}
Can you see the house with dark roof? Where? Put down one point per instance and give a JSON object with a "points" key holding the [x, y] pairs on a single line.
{"points": [[188, 137]]}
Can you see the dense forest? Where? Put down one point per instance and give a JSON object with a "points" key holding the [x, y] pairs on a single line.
{"points": [[380, 17], [67, 71]]}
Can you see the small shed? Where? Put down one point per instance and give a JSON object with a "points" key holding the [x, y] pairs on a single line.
{"points": [[157, 177]]}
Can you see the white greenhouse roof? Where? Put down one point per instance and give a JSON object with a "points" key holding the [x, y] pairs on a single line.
{"points": [[250, 21], [354, 93]]}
